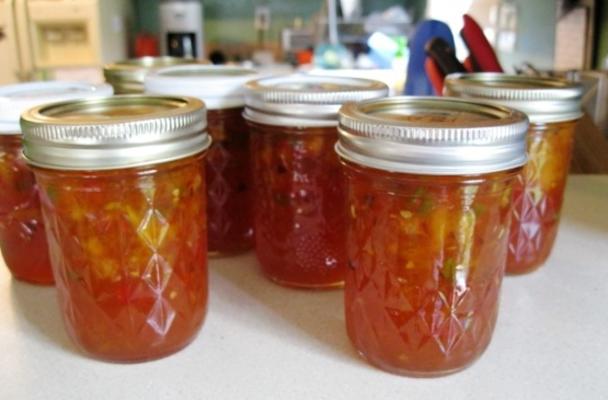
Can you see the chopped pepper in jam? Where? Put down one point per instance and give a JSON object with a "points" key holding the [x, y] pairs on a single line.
{"points": [[129, 248], [426, 256]]}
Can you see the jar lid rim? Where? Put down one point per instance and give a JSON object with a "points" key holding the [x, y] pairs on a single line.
{"points": [[432, 135], [544, 99], [114, 132]]}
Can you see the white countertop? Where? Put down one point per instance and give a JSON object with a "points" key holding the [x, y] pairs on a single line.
{"points": [[262, 341]]}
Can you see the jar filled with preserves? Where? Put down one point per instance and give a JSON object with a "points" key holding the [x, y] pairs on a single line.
{"points": [[298, 183], [229, 182], [127, 77], [122, 189], [22, 238], [553, 107], [429, 203]]}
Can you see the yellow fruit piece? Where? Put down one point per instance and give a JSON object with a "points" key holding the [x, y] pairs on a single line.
{"points": [[77, 214], [106, 269], [405, 214], [94, 247]]}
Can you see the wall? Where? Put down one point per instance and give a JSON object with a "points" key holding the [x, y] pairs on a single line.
{"points": [[231, 21], [535, 42], [536, 34]]}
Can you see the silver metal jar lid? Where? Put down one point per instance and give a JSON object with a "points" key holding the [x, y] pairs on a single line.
{"points": [[114, 132], [432, 135], [305, 100], [219, 86], [17, 98], [544, 100], [128, 76]]}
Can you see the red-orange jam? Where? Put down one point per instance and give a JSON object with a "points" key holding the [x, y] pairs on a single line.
{"points": [[22, 237], [429, 188], [129, 248], [553, 106], [299, 210], [123, 195], [229, 178], [300, 197], [426, 259]]}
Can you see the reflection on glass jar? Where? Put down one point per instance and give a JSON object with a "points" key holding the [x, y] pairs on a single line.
{"points": [[429, 203], [300, 196], [553, 106], [126, 223], [22, 238]]}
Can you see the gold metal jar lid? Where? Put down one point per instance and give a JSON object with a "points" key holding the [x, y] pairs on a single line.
{"points": [[114, 132], [128, 76], [305, 100], [432, 135], [543, 99]]}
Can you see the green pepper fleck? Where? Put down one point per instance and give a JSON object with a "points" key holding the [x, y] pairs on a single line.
{"points": [[449, 269], [419, 192], [426, 206], [479, 208], [52, 193], [281, 198]]}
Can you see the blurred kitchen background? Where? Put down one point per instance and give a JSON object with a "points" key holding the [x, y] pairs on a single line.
{"points": [[73, 39]]}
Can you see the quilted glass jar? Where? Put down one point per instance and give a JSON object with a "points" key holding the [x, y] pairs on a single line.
{"points": [[429, 185], [22, 238], [553, 107], [299, 186], [122, 188], [229, 178]]}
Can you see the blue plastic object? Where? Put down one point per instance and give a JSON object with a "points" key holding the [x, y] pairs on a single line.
{"points": [[417, 83]]}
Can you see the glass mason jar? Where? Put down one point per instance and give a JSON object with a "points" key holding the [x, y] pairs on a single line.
{"points": [[229, 181], [22, 238], [122, 188], [298, 181], [429, 201], [127, 76], [553, 107]]}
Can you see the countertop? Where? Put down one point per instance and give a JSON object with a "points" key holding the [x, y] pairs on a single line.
{"points": [[262, 341]]}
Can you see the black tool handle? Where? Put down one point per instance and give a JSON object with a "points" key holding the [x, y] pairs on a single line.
{"points": [[443, 55]]}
